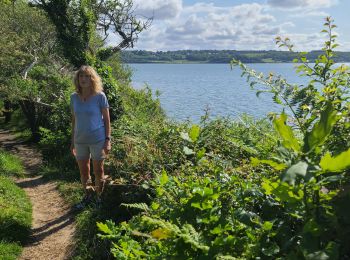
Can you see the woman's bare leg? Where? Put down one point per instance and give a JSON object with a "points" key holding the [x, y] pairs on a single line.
{"points": [[99, 174], [84, 167]]}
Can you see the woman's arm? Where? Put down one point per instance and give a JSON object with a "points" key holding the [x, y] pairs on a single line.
{"points": [[107, 122], [72, 138]]}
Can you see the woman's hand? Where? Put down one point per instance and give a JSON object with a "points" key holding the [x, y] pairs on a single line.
{"points": [[72, 150], [107, 147]]}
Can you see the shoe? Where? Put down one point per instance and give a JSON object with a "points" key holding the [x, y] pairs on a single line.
{"points": [[87, 199], [98, 202], [89, 182]]}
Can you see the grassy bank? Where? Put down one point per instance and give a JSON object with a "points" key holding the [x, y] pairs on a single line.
{"points": [[16, 211], [10, 165]]}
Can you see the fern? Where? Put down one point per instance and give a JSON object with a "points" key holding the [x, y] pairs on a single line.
{"points": [[190, 236], [140, 206]]}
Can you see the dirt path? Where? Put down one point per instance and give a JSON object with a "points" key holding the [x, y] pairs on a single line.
{"points": [[53, 223]]}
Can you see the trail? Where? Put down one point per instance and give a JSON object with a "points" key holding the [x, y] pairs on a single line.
{"points": [[53, 224]]}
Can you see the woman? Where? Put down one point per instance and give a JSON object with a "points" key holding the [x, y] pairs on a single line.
{"points": [[91, 130]]}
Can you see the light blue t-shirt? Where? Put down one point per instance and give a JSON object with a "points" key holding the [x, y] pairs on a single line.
{"points": [[89, 125]]}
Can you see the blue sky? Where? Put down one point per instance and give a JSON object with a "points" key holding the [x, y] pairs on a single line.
{"points": [[239, 24]]}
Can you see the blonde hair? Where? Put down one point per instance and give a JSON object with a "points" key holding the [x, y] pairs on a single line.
{"points": [[96, 85]]}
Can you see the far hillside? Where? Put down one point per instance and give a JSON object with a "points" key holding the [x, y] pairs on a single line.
{"points": [[220, 56]]}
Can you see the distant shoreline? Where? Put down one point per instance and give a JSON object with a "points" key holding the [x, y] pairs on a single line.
{"points": [[340, 62], [221, 56]]}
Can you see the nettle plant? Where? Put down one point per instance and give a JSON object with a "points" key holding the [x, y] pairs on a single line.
{"points": [[312, 156]]}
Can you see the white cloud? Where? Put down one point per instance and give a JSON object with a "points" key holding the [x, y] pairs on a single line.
{"points": [[158, 9], [240, 27], [310, 13], [205, 26], [312, 4]]}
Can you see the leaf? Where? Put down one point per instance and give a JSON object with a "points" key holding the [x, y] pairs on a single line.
{"points": [[286, 132], [196, 205], [273, 164], [271, 250], [140, 206], [186, 137], [291, 174], [313, 228], [200, 153], [266, 185], [330, 252], [164, 178], [246, 217], [161, 233], [267, 225], [321, 129], [203, 192], [155, 205], [194, 132], [104, 228], [319, 255], [188, 151], [337, 163], [330, 179]]}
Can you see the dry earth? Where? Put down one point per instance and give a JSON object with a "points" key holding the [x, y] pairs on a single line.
{"points": [[53, 223]]}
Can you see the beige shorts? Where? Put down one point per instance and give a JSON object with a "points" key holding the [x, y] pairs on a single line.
{"points": [[85, 151]]}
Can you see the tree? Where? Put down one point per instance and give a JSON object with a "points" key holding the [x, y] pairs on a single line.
{"points": [[80, 25], [27, 40]]}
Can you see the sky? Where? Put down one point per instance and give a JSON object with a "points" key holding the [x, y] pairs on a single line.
{"points": [[239, 24]]}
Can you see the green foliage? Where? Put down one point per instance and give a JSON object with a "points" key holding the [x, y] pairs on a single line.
{"points": [[40, 94], [192, 218], [337, 163], [79, 25], [15, 214], [121, 72], [201, 188], [87, 244], [140, 206], [10, 165], [75, 26], [318, 178], [26, 37], [321, 130], [112, 89], [220, 56], [288, 139]]}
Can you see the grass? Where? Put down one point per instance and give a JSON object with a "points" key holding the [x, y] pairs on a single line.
{"points": [[10, 165], [15, 218], [72, 191], [9, 251], [15, 208]]}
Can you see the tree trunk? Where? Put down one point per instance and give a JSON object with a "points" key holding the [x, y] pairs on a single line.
{"points": [[30, 113], [7, 112]]}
